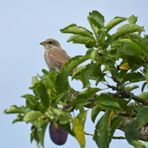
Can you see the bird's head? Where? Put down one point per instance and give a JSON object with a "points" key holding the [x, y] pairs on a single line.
{"points": [[50, 43]]}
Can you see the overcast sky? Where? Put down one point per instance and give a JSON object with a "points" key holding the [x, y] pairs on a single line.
{"points": [[23, 24]]}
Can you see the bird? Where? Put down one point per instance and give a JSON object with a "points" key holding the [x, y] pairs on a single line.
{"points": [[55, 56]]}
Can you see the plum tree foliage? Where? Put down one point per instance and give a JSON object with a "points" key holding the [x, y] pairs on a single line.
{"points": [[114, 78]]}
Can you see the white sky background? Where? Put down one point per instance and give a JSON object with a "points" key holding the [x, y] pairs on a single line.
{"points": [[23, 24]]}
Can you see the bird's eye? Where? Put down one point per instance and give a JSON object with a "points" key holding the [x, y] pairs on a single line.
{"points": [[50, 42]]}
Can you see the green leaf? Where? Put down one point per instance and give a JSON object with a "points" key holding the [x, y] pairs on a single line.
{"points": [[39, 123], [87, 41], [127, 29], [115, 21], [14, 109], [38, 135], [138, 144], [31, 101], [48, 79], [83, 97], [106, 101], [41, 135], [19, 118], [62, 84], [105, 129], [41, 92], [145, 43], [89, 72], [128, 47], [102, 135], [132, 19], [146, 75], [81, 35], [144, 95], [114, 124], [58, 115], [77, 60], [133, 129], [31, 116], [94, 113], [78, 30], [96, 21], [34, 80], [131, 88], [62, 97], [133, 77], [96, 18]]}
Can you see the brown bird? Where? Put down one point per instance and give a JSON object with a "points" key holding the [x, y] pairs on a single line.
{"points": [[55, 56]]}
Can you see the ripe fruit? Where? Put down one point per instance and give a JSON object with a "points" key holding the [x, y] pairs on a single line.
{"points": [[57, 134]]}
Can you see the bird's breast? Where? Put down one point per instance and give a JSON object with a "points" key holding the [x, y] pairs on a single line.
{"points": [[49, 63]]}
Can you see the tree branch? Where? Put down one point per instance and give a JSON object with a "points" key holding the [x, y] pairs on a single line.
{"points": [[143, 134], [129, 95], [114, 137]]}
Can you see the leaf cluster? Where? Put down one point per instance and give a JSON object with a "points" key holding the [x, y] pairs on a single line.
{"points": [[117, 61]]}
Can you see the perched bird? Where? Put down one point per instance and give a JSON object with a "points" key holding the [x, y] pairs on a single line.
{"points": [[55, 56]]}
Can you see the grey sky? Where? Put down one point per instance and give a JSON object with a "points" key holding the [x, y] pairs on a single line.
{"points": [[23, 24]]}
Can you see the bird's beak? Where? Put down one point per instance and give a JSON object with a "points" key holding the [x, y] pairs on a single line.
{"points": [[42, 43]]}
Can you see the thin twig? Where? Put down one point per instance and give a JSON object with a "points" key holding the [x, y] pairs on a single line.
{"points": [[88, 134], [114, 137], [127, 94], [119, 137]]}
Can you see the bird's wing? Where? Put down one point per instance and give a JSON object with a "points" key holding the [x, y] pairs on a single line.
{"points": [[58, 56]]}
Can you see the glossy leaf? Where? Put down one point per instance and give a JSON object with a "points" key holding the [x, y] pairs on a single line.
{"points": [[74, 62], [144, 95], [128, 47], [14, 109], [131, 88], [133, 77], [133, 128], [62, 83], [83, 97], [108, 102], [132, 19], [19, 118], [81, 35], [74, 29], [34, 80], [115, 21], [138, 144], [96, 21], [31, 116], [87, 41], [31, 101], [115, 121], [102, 135], [38, 135], [96, 18], [40, 91], [95, 111], [146, 76], [127, 29], [89, 72]]}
